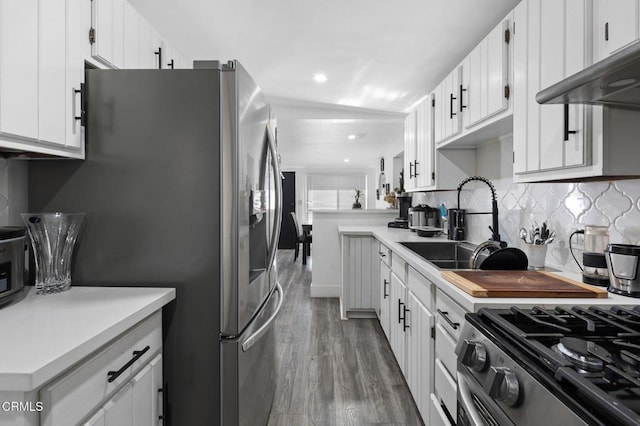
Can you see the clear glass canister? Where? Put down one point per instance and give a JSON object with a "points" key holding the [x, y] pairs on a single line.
{"points": [[596, 238]]}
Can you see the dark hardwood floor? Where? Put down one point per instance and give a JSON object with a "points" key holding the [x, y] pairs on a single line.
{"points": [[332, 372]]}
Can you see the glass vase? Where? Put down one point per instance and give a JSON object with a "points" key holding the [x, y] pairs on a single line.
{"points": [[53, 237]]}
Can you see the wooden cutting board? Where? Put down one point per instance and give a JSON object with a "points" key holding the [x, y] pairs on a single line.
{"points": [[521, 284]]}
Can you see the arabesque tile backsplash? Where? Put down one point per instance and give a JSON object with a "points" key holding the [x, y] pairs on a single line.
{"points": [[565, 207]]}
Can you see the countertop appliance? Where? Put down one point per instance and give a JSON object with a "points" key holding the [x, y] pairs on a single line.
{"points": [[182, 188], [622, 263], [12, 263], [562, 366], [404, 203]]}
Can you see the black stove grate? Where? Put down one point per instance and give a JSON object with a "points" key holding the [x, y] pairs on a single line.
{"points": [[611, 335]]}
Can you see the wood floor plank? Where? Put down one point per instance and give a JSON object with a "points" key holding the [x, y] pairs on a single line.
{"points": [[332, 372]]}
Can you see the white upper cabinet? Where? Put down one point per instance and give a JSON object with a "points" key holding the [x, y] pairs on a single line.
{"points": [[52, 72], [551, 42], [131, 37], [44, 45], [484, 90], [448, 106], [107, 19], [427, 168], [41, 76], [19, 68], [423, 166], [410, 150], [473, 103], [616, 25]]}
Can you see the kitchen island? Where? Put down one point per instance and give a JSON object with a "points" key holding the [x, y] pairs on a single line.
{"points": [[325, 280], [64, 355]]}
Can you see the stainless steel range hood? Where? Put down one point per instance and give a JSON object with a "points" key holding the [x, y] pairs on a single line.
{"points": [[614, 81]]}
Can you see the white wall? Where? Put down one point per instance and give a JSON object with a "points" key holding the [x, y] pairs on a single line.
{"points": [[301, 178]]}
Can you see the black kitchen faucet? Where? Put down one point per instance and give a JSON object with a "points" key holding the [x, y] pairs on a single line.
{"points": [[495, 233]]}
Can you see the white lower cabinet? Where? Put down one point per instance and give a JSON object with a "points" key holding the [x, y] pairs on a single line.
{"points": [[396, 329], [359, 281], [117, 387], [385, 297], [419, 322], [448, 324], [411, 333], [437, 415]]}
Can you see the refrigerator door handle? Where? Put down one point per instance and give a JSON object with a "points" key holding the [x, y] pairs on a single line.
{"points": [[275, 235], [251, 340]]}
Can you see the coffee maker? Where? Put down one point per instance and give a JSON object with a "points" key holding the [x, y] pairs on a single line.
{"points": [[404, 203]]}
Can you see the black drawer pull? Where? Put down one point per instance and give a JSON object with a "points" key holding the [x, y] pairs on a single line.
{"points": [[382, 254], [112, 375], [399, 313], [384, 289], [445, 315], [404, 320]]}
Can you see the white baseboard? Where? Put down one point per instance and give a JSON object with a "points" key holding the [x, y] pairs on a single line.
{"points": [[326, 290]]}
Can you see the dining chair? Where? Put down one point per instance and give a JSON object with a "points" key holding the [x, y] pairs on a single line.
{"points": [[303, 237]]}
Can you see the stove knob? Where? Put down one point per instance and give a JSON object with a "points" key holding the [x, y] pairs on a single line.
{"points": [[474, 355], [502, 385]]}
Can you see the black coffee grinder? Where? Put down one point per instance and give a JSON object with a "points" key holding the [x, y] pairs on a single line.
{"points": [[404, 203]]}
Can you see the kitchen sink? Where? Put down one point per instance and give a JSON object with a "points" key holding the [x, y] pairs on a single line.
{"points": [[443, 255]]}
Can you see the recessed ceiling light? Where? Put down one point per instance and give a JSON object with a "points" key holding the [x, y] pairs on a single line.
{"points": [[346, 160], [320, 78], [352, 137]]}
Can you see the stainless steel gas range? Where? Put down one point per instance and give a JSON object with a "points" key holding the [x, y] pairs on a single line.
{"points": [[562, 366]]}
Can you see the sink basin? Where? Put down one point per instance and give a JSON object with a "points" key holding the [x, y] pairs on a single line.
{"points": [[443, 255]]}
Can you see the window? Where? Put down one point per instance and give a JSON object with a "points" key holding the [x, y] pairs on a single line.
{"points": [[333, 192]]}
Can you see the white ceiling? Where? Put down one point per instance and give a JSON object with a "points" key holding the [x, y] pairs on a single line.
{"points": [[380, 58]]}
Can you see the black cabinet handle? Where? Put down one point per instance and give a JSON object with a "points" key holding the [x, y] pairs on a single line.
{"points": [[415, 168], [159, 53], [445, 315], [410, 170], [382, 254], [404, 320], [567, 132], [399, 315], [170, 64], [451, 98], [461, 91], [82, 117], [112, 375], [384, 289]]}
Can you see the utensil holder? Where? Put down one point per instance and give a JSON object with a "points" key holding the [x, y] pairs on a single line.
{"points": [[53, 237], [536, 253]]}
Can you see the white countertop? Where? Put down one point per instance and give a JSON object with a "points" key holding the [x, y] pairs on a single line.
{"points": [[392, 238], [43, 335], [357, 211]]}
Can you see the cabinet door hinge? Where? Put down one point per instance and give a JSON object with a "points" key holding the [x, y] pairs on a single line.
{"points": [[606, 31], [507, 36], [92, 35], [507, 91], [433, 333]]}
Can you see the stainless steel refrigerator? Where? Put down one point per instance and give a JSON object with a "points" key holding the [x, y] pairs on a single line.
{"points": [[181, 187]]}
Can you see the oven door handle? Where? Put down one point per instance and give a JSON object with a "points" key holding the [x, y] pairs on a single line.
{"points": [[467, 402]]}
